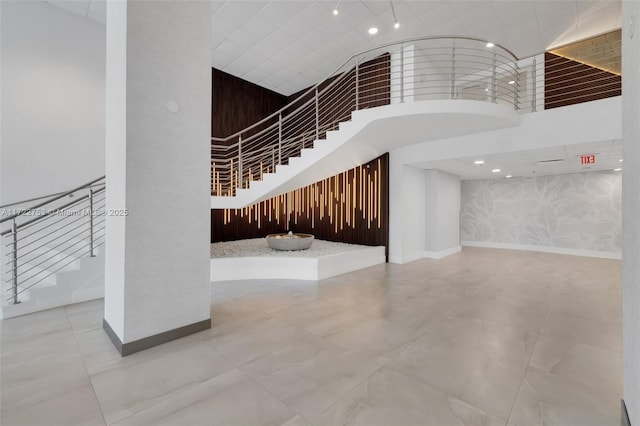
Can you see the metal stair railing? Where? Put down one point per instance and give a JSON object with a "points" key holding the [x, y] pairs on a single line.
{"points": [[43, 239], [415, 69]]}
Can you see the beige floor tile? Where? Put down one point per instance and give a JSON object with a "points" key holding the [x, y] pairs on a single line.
{"points": [[96, 349], [548, 399], [574, 360], [146, 378], [310, 375], [241, 345], [36, 361], [390, 398], [375, 338], [32, 328], [596, 333], [86, 316], [500, 340], [70, 401], [475, 377], [228, 399]]}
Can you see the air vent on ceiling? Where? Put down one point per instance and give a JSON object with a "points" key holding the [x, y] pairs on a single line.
{"points": [[557, 160]]}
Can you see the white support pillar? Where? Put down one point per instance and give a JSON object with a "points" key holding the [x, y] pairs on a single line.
{"points": [[157, 165], [630, 208]]}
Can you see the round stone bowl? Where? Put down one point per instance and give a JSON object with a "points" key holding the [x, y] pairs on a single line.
{"points": [[290, 241]]}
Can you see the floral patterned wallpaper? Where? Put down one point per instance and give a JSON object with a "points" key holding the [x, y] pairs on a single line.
{"points": [[576, 211]]}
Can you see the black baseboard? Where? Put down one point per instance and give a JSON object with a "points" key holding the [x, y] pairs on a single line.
{"points": [[155, 340], [624, 416]]}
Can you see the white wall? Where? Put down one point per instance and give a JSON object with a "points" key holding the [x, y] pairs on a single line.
{"points": [[407, 198], [631, 208], [580, 212], [52, 103], [442, 213]]}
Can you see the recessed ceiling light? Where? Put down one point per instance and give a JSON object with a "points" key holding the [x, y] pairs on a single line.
{"points": [[335, 11], [512, 82], [496, 171], [621, 160], [617, 170], [490, 45], [373, 30], [486, 89], [479, 162], [508, 176], [396, 25]]}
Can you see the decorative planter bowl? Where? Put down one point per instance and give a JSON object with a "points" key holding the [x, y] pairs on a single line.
{"points": [[290, 241]]}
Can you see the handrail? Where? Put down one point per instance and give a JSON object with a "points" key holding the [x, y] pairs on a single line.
{"points": [[57, 209], [364, 52], [41, 246], [37, 206], [441, 67], [37, 198]]}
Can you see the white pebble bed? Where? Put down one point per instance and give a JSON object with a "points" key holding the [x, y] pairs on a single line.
{"points": [[257, 247]]}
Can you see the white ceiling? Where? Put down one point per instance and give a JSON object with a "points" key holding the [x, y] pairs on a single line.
{"points": [[534, 162], [288, 45]]}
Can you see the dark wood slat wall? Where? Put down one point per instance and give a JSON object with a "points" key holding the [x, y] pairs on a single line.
{"points": [[352, 207], [569, 82], [237, 104]]}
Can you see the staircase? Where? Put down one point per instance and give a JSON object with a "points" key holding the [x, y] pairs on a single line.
{"points": [[51, 251], [422, 89]]}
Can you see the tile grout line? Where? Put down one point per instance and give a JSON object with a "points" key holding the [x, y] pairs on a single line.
{"points": [[526, 367], [95, 395]]}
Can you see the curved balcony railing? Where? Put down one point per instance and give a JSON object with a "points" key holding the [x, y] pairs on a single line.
{"points": [[429, 68]]}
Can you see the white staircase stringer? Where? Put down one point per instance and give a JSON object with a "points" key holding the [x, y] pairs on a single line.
{"points": [[369, 134]]}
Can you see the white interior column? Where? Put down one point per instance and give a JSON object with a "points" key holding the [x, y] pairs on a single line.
{"points": [[158, 171], [442, 214], [630, 208]]}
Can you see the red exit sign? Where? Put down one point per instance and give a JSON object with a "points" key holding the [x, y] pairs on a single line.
{"points": [[588, 159]]}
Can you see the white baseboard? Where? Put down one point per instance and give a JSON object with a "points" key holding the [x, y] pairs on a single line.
{"points": [[442, 253], [545, 249]]}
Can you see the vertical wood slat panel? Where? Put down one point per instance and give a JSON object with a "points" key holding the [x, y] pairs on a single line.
{"points": [[351, 207]]}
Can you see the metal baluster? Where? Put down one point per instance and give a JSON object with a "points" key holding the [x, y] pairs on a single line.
{"points": [[279, 139], [317, 115], [91, 254], [240, 178], [516, 86], [453, 70], [357, 84], [494, 86], [534, 85], [401, 73], [14, 261]]}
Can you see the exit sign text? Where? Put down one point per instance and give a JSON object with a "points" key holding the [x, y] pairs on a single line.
{"points": [[588, 159]]}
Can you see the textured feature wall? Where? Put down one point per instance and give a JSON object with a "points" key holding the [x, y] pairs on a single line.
{"points": [[351, 207], [575, 211]]}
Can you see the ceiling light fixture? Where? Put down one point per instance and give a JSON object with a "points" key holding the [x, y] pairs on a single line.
{"points": [[396, 24], [478, 162], [508, 176], [490, 45], [336, 10], [373, 30], [496, 171], [621, 160], [512, 82], [617, 170]]}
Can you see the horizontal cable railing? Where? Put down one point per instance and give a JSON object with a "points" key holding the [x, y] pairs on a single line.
{"points": [[49, 237], [416, 69], [431, 68]]}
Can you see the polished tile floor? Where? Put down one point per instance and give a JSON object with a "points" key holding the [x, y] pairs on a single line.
{"points": [[484, 337]]}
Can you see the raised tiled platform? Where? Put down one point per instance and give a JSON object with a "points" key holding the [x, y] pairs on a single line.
{"points": [[254, 259]]}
